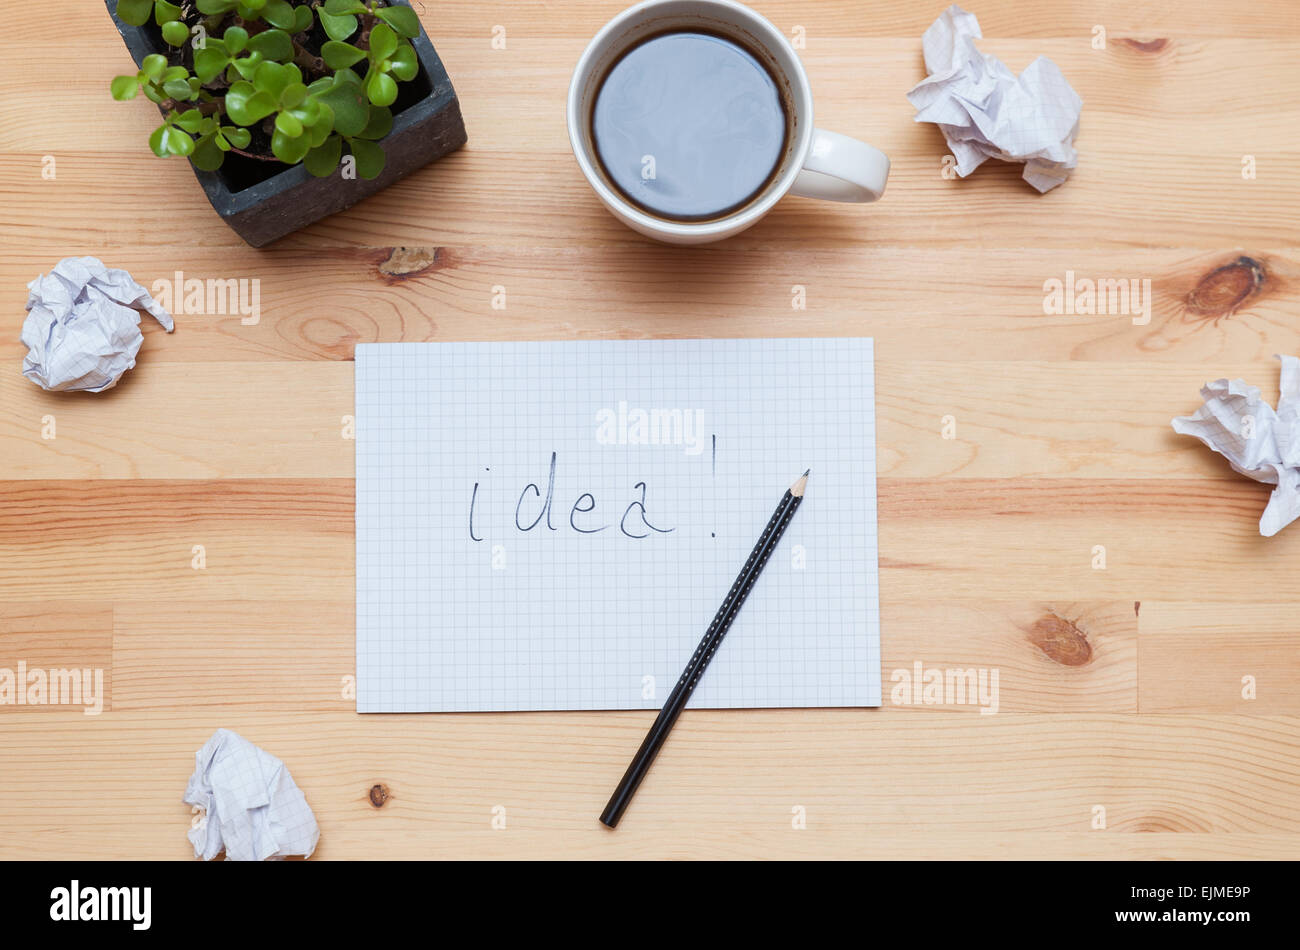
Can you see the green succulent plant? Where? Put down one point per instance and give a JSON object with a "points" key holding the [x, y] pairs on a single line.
{"points": [[251, 67]]}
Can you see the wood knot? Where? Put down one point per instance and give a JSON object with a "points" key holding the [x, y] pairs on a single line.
{"points": [[1145, 46], [378, 795], [1061, 640], [1225, 289], [403, 263]]}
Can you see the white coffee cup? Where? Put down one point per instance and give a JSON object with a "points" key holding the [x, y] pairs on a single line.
{"points": [[816, 163]]}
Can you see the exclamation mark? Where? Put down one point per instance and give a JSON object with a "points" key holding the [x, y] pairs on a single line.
{"points": [[714, 534]]}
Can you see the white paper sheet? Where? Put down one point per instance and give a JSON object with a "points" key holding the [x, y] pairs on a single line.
{"points": [[82, 330], [494, 615], [1258, 441], [986, 111], [250, 807]]}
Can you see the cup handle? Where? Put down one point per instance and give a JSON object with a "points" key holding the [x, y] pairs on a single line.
{"points": [[839, 168]]}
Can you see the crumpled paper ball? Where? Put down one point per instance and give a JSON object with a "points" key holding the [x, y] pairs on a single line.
{"points": [[1258, 441], [82, 330], [985, 111], [254, 811]]}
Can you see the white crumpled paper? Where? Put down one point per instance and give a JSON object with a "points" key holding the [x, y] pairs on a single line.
{"points": [[254, 810], [985, 111], [83, 329], [1257, 441]]}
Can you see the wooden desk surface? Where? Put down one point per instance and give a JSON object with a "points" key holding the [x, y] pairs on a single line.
{"points": [[1120, 687]]}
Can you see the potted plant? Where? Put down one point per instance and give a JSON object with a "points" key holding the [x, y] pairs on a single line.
{"points": [[289, 110]]}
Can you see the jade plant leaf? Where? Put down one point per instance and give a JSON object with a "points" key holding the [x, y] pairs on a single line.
{"points": [[339, 55], [383, 42], [214, 7], [323, 126], [289, 148], [237, 137], [380, 124], [178, 143], [370, 158], [247, 66], [135, 12], [279, 13], [124, 87], [169, 140], [190, 120], [323, 159], [235, 40], [164, 12], [348, 103], [402, 19], [381, 88], [273, 79], [288, 124], [153, 65], [175, 33], [177, 89], [210, 61], [273, 45], [337, 27], [247, 105], [405, 63], [208, 154]]}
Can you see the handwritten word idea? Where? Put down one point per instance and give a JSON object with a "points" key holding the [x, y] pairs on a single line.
{"points": [[533, 509]]}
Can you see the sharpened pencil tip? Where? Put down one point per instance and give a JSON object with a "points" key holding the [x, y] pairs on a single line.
{"points": [[806, 472], [800, 484]]}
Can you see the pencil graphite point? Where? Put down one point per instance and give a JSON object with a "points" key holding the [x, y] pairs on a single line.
{"points": [[800, 484]]}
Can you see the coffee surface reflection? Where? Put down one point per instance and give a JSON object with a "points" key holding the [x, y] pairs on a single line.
{"points": [[689, 126]]}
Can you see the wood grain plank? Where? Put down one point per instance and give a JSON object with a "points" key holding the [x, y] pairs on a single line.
{"points": [[998, 539], [1147, 19], [1174, 99], [287, 655], [475, 196], [184, 420], [352, 839], [272, 539], [293, 655], [1086, 420], [511, 95], [1037, 538], [1224, 306], [865, 780], [1194, 656], [1046, 657], [57, 654], [935, 418]]}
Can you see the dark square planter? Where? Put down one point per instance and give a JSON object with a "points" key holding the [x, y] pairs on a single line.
{"points": [[262, 207]]}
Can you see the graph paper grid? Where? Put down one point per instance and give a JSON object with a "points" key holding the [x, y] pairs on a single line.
{"points": [[552, 525]]}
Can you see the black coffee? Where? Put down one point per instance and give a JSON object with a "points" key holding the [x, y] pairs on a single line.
{"points": [[689, 126]]}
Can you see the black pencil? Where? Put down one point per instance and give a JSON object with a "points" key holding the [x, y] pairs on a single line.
{"points": [[681, 693]]}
